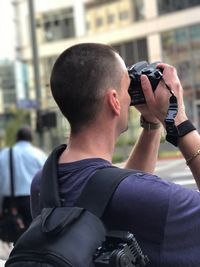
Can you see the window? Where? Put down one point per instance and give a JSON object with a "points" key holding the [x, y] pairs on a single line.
{"points": [[133, 51], [196, 73], [67, 27], [167, 6], [138, 9], [99, 22], [9, 97], [181, 48], [48, 31], [142, 49], [123, 15], [169, 47], [110, 18], [58, 25], [88, 25], [47, 64], [195, 41], [129, 53], [7, 77], [182, 44]]}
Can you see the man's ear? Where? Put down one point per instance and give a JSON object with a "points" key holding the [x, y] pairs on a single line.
{"points": [[113, 101]]}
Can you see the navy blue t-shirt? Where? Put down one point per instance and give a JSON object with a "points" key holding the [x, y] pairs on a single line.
{"points": [[164, 217]]}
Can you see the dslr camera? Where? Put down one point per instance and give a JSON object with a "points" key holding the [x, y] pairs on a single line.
{"points": [[135, 71], [120, 249]]}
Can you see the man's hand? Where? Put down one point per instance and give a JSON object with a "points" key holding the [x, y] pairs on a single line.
{"points": [[158, 101], [146, 113]]}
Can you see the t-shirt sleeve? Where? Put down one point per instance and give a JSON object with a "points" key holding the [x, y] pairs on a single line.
{"points": [[141, 203], [164, 217], [182, 228]]}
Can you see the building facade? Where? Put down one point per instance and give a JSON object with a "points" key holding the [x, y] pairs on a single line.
{"points": [[152, 30], [7, 86]]}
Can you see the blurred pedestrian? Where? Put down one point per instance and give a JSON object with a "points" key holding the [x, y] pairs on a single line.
{"points": [[27, 160]]}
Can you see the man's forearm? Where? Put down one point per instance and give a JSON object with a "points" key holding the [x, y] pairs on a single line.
{"points": [[189, 145], [145, 152]]}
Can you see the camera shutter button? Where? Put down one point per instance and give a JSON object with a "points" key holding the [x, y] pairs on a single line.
{"points": [[147, 71]]}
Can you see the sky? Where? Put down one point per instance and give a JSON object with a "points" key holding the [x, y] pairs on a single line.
{"points": [[7, 37]]}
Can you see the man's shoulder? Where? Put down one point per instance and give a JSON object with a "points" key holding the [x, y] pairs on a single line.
{"points": [[39, 150], [36, 152], [140, 177], [145, 185], [151, 192], [152, 184]]}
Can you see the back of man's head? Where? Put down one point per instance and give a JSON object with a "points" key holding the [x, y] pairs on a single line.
{"points": [[79, 79], [24, 134]]}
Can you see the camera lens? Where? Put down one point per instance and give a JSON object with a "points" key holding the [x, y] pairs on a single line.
{"points": [[124, 261]]}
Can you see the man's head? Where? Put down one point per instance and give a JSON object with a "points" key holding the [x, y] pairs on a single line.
{"points": [[80, 78], [24, 134]]}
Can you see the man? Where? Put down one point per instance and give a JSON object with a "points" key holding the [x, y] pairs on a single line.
{"points": [[27, 160], [90, 83]]}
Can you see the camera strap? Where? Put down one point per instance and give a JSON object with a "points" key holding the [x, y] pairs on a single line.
{"points": [[171, 129]]}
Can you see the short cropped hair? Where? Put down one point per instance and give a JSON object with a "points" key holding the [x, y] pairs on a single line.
{"points": [[79, 79], [24, 134]]}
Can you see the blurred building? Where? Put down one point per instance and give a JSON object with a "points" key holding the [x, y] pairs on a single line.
{"points": [[7, 86], [7, 94], [166, 30]]}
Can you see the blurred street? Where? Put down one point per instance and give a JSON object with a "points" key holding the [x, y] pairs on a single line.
{"points": [[176, 170], [173, 168]]}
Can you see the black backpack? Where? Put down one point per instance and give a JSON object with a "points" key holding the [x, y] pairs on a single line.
{"points": [[76, 236]]}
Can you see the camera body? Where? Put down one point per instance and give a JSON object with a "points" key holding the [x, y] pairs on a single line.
{"points": [[120, 250], [135, 71]]}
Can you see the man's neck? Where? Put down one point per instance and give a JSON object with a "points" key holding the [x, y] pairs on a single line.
{"points": [[89, 144]]}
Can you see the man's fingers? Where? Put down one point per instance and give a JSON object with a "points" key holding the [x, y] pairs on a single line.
{"points": [[147, 89]]}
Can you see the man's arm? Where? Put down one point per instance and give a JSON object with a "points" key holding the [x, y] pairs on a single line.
{"points": [[189, 144], [145, 152]]}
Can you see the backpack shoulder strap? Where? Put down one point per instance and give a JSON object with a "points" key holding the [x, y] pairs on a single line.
{"points": [[97, 192], [49, 193], [11, 168], [100, 188]]}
